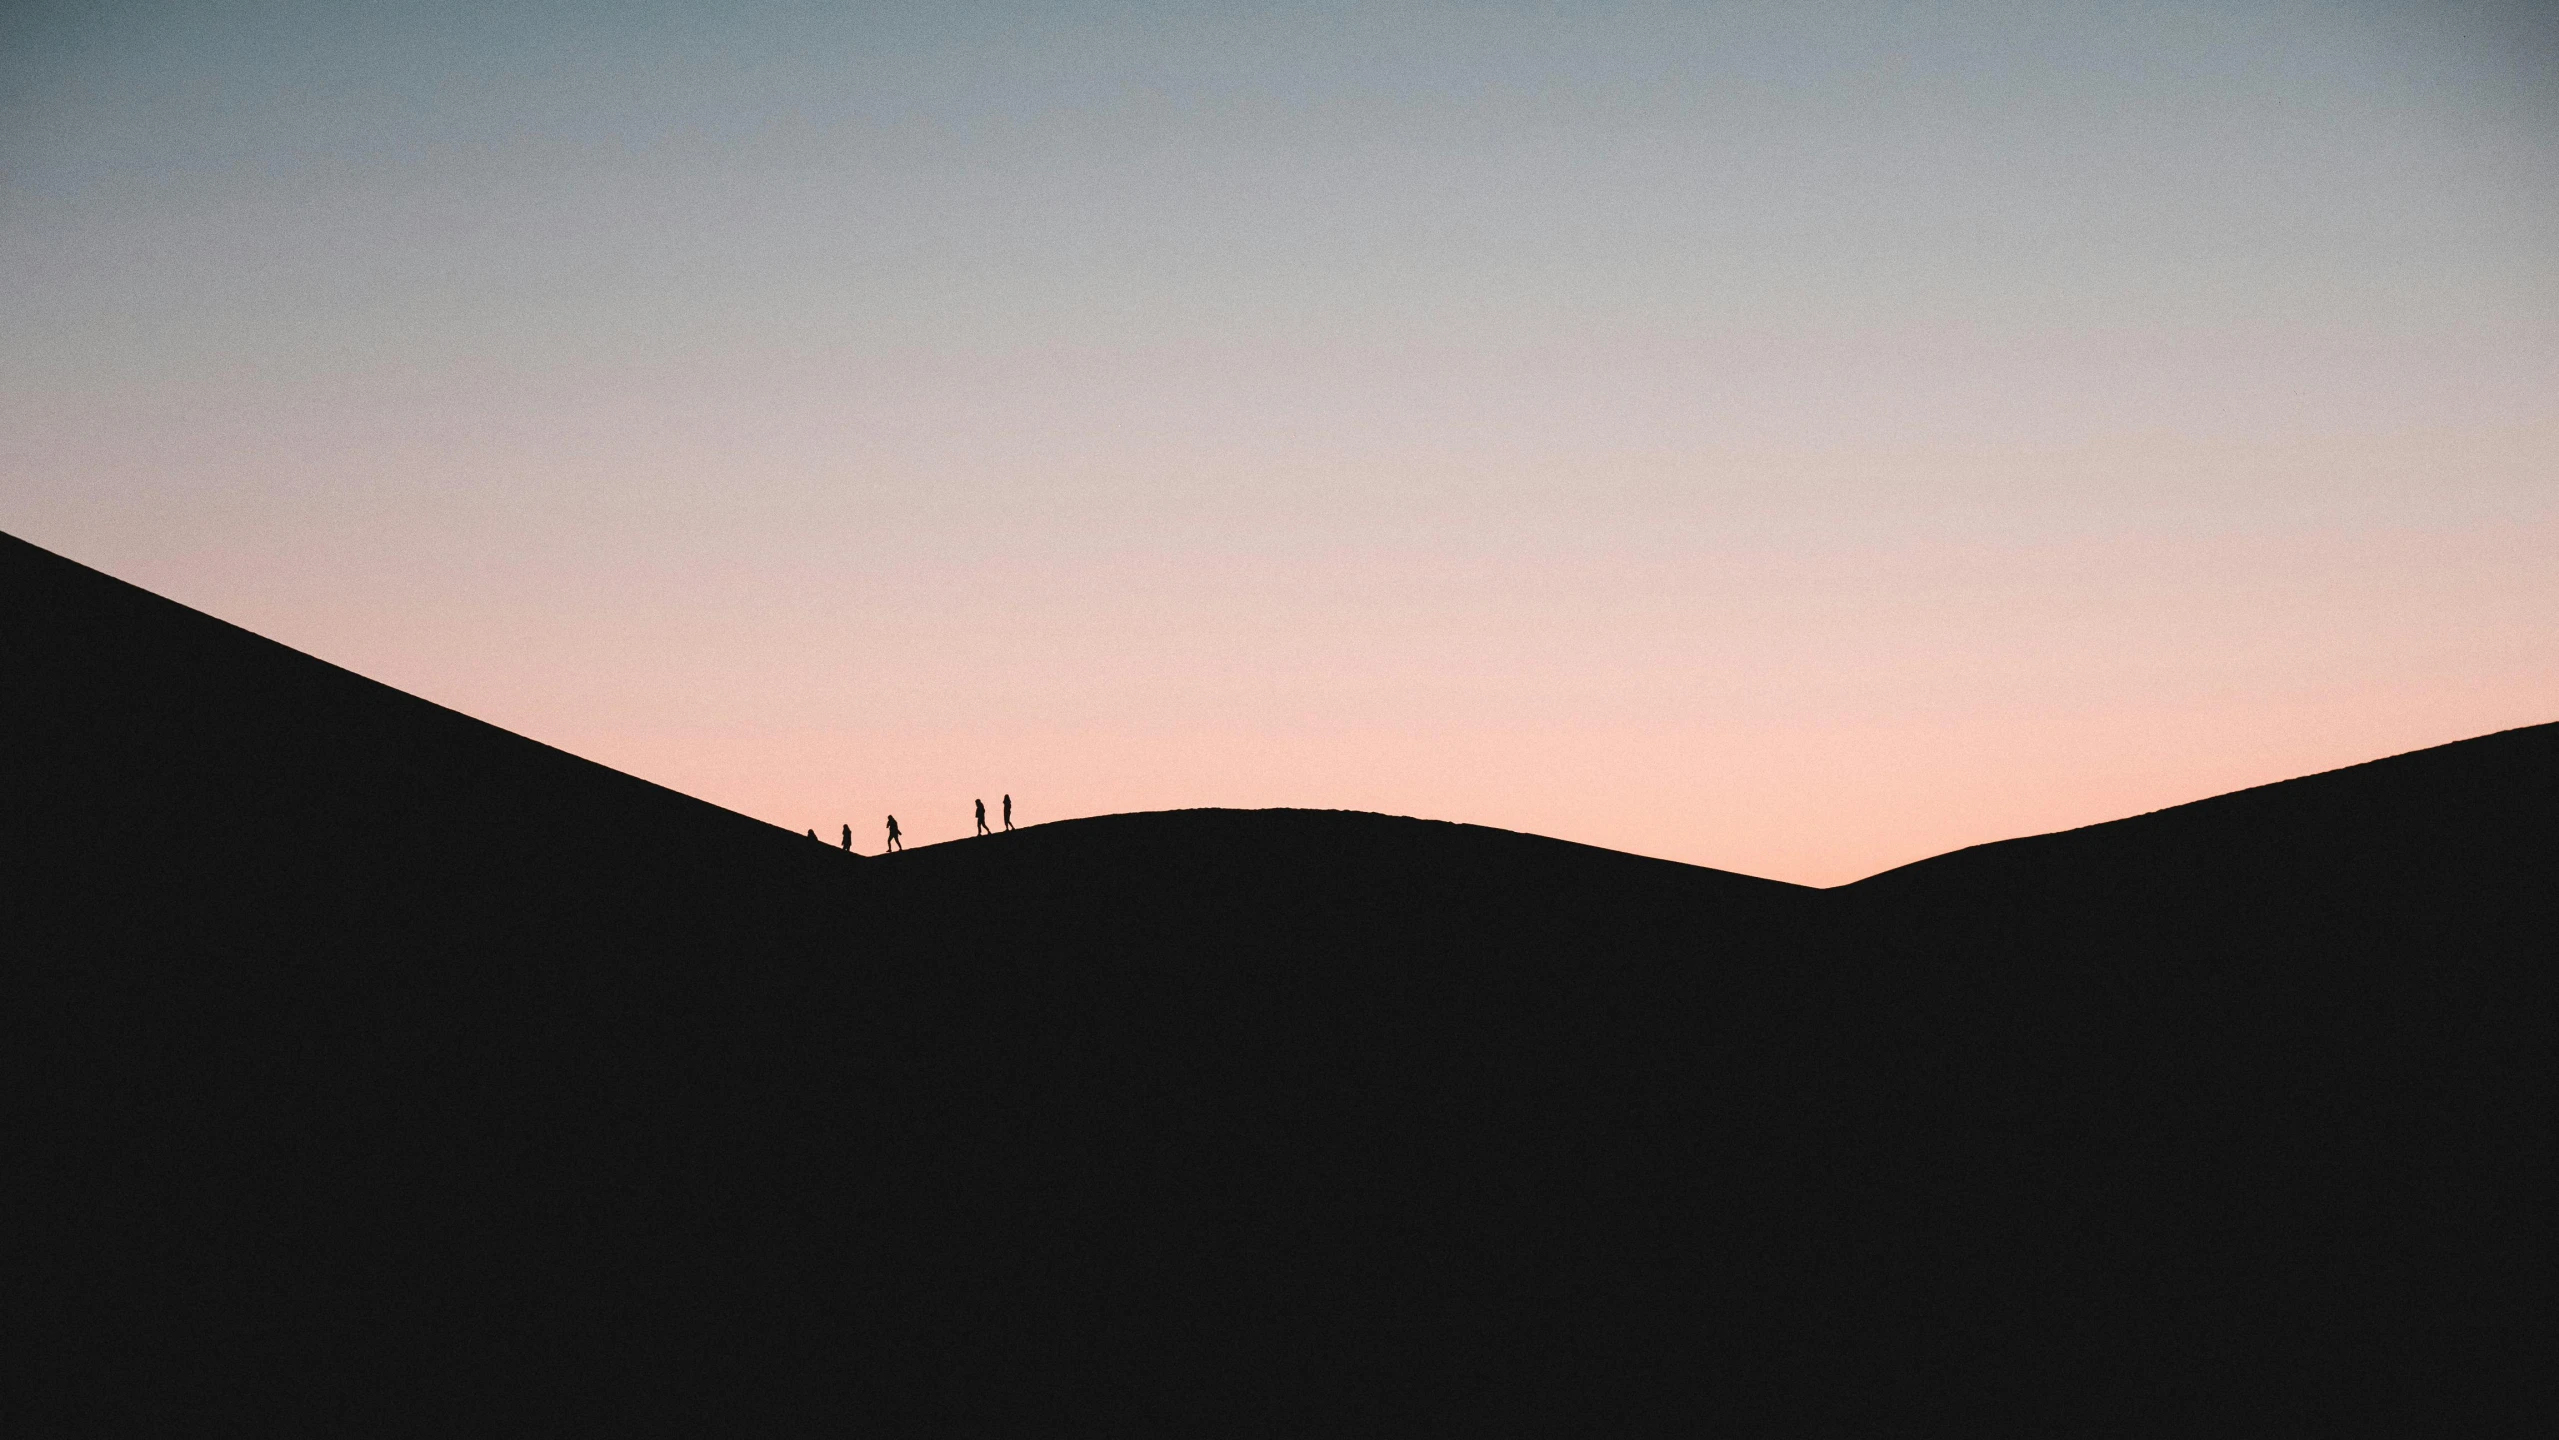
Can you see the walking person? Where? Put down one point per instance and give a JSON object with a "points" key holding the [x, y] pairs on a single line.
{"points": [[848, 838], [1008, 812], [894, 842], [981, 817]]}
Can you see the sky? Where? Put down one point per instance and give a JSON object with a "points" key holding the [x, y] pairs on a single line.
{"points": [[1792, 438]]}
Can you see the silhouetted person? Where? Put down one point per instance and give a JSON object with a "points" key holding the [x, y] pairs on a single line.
{"points": [[981, 817], [894, 842], [848, 838], [1008, 812]]}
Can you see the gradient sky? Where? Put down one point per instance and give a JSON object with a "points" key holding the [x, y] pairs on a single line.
{"points": [[1792, 438]]}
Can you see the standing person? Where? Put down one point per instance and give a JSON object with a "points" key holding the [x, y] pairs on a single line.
{"points": [[894, 842], [1008, 812], [848, 837], [981, 817]]}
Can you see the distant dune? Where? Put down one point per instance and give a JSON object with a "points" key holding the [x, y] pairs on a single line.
{"points": [[375, 1068]]}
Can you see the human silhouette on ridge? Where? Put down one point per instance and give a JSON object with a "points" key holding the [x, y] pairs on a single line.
{"points": [[894, 842], [848, 836], [981, 817], [1008, 812]]}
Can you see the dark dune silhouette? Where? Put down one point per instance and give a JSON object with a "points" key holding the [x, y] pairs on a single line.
{"points": [[377, 1068]]}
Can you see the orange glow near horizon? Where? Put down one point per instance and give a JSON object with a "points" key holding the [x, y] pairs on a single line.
{"points": [[1811, 710]]}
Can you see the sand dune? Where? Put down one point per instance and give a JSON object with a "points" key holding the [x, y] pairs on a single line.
{"points": [[378, 1067]]}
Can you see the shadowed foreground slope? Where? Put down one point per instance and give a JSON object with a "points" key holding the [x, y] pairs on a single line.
{"points": [[2251, 1096], [414, 1072]]}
